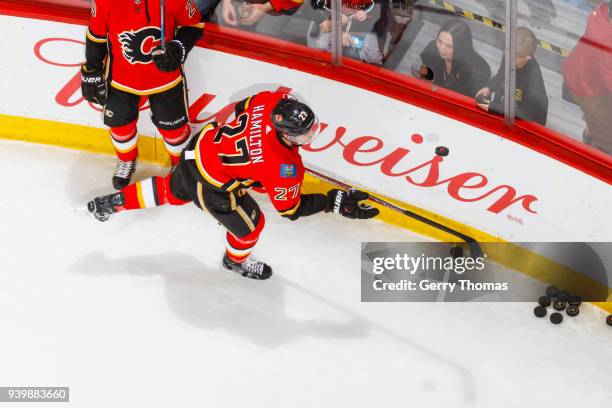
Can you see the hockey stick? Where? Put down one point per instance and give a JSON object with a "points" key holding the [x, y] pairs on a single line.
{"points": [[162, 25], [473, 245]]}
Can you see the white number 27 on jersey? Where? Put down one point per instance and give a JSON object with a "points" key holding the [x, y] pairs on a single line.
{"points": [[281, 192]]}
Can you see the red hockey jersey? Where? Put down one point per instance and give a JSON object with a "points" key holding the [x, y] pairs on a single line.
{"points": [[247, 152], [131, 29]]}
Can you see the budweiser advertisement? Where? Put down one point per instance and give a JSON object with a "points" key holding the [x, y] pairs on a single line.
{"points": [[366, 140]]}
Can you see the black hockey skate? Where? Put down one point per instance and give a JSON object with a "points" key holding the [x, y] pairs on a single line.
{"points": [[103, 207], [123, 173], [249, 268]]}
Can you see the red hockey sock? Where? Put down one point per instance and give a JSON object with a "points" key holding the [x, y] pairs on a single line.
{"points": [[125, 139], [175, 141], [238, 249], [152, 192]]}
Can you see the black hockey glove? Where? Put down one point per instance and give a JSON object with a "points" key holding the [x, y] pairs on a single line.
{"points": [[93, 86], [171, 58], [346, 203]]}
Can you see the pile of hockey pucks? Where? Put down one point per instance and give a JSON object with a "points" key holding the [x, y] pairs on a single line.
{"points": [[560, 300]]}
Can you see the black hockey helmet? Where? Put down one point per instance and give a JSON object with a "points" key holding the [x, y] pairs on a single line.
{"points": [[295, 120]]}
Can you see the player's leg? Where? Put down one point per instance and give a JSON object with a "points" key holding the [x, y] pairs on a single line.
{"points": [[152, 192], [169, 115], [155, 191], [121, 115], [244, 221]]}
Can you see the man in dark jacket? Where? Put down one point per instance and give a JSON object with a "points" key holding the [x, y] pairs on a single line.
{"points": [[530, 95]]}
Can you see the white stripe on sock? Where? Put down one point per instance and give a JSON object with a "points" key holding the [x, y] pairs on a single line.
{"points": [[176, 150], [125, 146], [239, 252], [147, 192]]}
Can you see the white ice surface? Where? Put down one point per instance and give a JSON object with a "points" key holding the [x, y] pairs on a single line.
{"points": [[135, 312]]}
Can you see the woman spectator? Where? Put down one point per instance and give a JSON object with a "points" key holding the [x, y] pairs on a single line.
{"points": [[453, 62]]}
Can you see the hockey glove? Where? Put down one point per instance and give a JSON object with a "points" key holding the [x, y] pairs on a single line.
{"points": [[171, 57], [347, 204], [93, 86]]}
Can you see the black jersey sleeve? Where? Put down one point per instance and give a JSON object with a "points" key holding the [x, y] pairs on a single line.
{"points": [[309, 204], [189, 35]]}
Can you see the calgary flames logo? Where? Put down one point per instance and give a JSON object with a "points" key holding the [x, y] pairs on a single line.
{"points": [[138, 45]]}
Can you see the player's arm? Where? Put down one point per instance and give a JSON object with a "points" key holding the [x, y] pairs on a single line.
{"points": [[93, 86], [190, 27], [308, 204], [189, 30], [96, 36], [294, 205]]}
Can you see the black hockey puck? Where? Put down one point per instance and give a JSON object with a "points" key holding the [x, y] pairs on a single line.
{"points": [[544, 301], [558, 305], [539, 311], [575, 300], [556, 318], [572, 310], [609, 320], [552, 291], [562, 296], [442, 151], [456, 252]]}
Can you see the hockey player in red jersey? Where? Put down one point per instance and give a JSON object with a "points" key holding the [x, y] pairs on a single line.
{"points": [[125, 62], [258, 149]]}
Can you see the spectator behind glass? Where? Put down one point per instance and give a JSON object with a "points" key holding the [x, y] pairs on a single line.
{"points": [[588, 76], [269, 18], [357, 40], [453, 62], [531, 99]]}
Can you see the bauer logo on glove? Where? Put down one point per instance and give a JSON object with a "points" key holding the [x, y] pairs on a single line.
{"points": [[93, 86], [347, 204]]}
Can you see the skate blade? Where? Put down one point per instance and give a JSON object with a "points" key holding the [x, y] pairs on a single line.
{"points": [[236, 272], [83, 211]]}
